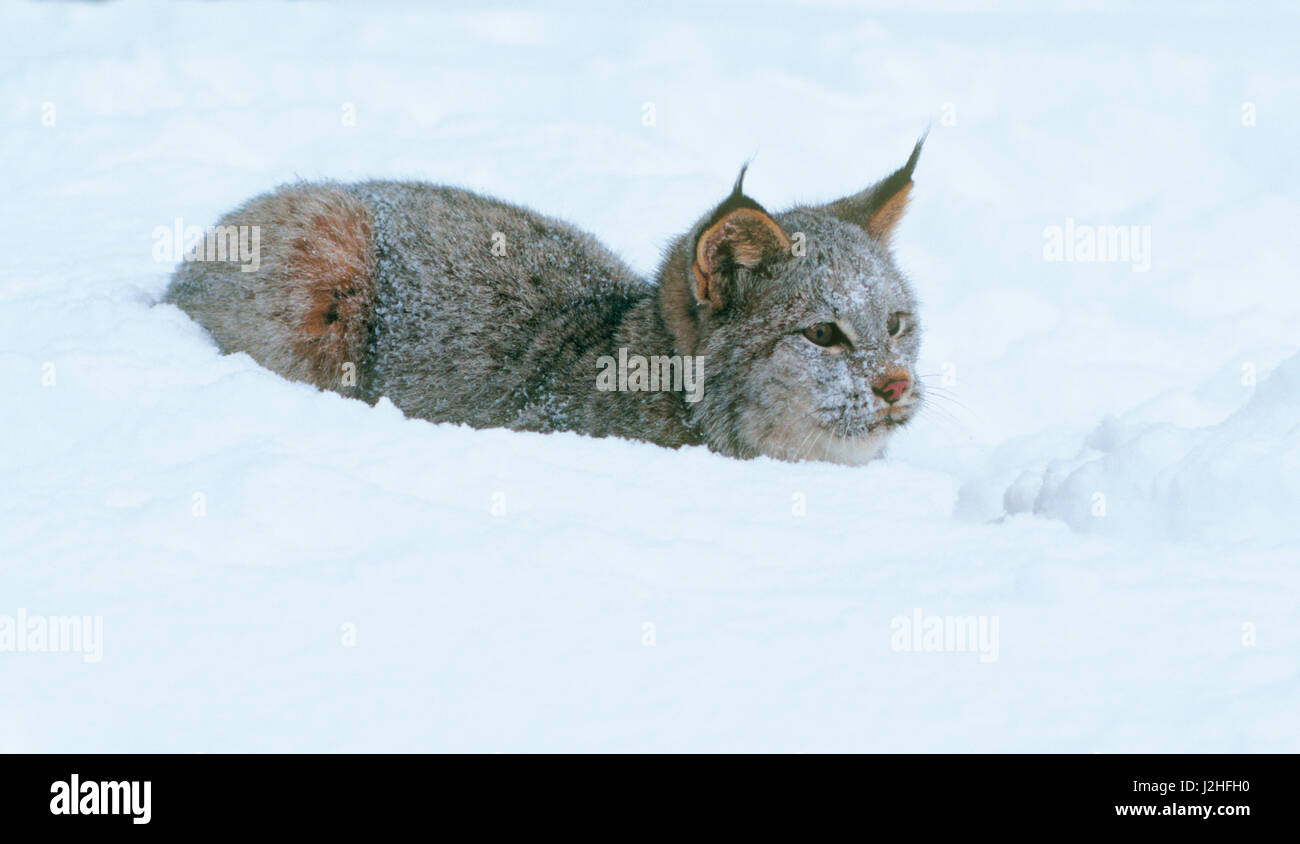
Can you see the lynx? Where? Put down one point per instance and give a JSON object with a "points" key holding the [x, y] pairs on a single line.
{"points": [[462, 308]]}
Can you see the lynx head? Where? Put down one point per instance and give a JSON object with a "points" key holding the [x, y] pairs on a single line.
{"points": [[809, 332]]}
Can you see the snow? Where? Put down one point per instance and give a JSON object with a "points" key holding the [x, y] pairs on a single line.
{"points": [[1112, 471]]}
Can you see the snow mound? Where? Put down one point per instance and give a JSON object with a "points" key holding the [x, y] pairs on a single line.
{"points": [[1234, 481]]}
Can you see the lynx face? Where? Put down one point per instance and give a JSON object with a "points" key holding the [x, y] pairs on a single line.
{"points": [[816, 360], [809, 331]]}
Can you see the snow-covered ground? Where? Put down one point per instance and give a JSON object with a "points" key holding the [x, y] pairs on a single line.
{"points": [[1110, 483]]}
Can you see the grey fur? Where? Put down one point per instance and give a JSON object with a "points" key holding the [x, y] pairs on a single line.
{"points": [[400, 280]]}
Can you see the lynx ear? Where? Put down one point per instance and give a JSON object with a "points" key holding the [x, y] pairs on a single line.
{"points": [[879, 208], [739, 234]]}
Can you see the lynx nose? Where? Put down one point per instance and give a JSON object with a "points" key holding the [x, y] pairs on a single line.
{"points": [[892, 387]]}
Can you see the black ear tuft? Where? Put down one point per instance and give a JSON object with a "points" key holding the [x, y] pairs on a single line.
{"points": [[900, 178], [739, 188], [879, 208]]}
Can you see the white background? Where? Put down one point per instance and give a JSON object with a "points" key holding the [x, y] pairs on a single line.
{"points": [[772, 631]]}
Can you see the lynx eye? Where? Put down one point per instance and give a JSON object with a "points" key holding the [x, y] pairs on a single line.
{"points": [[898, 324], [825, 334]]}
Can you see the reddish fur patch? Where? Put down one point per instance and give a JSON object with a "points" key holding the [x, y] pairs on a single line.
{"points": [[331, 268], [886, 219]]}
